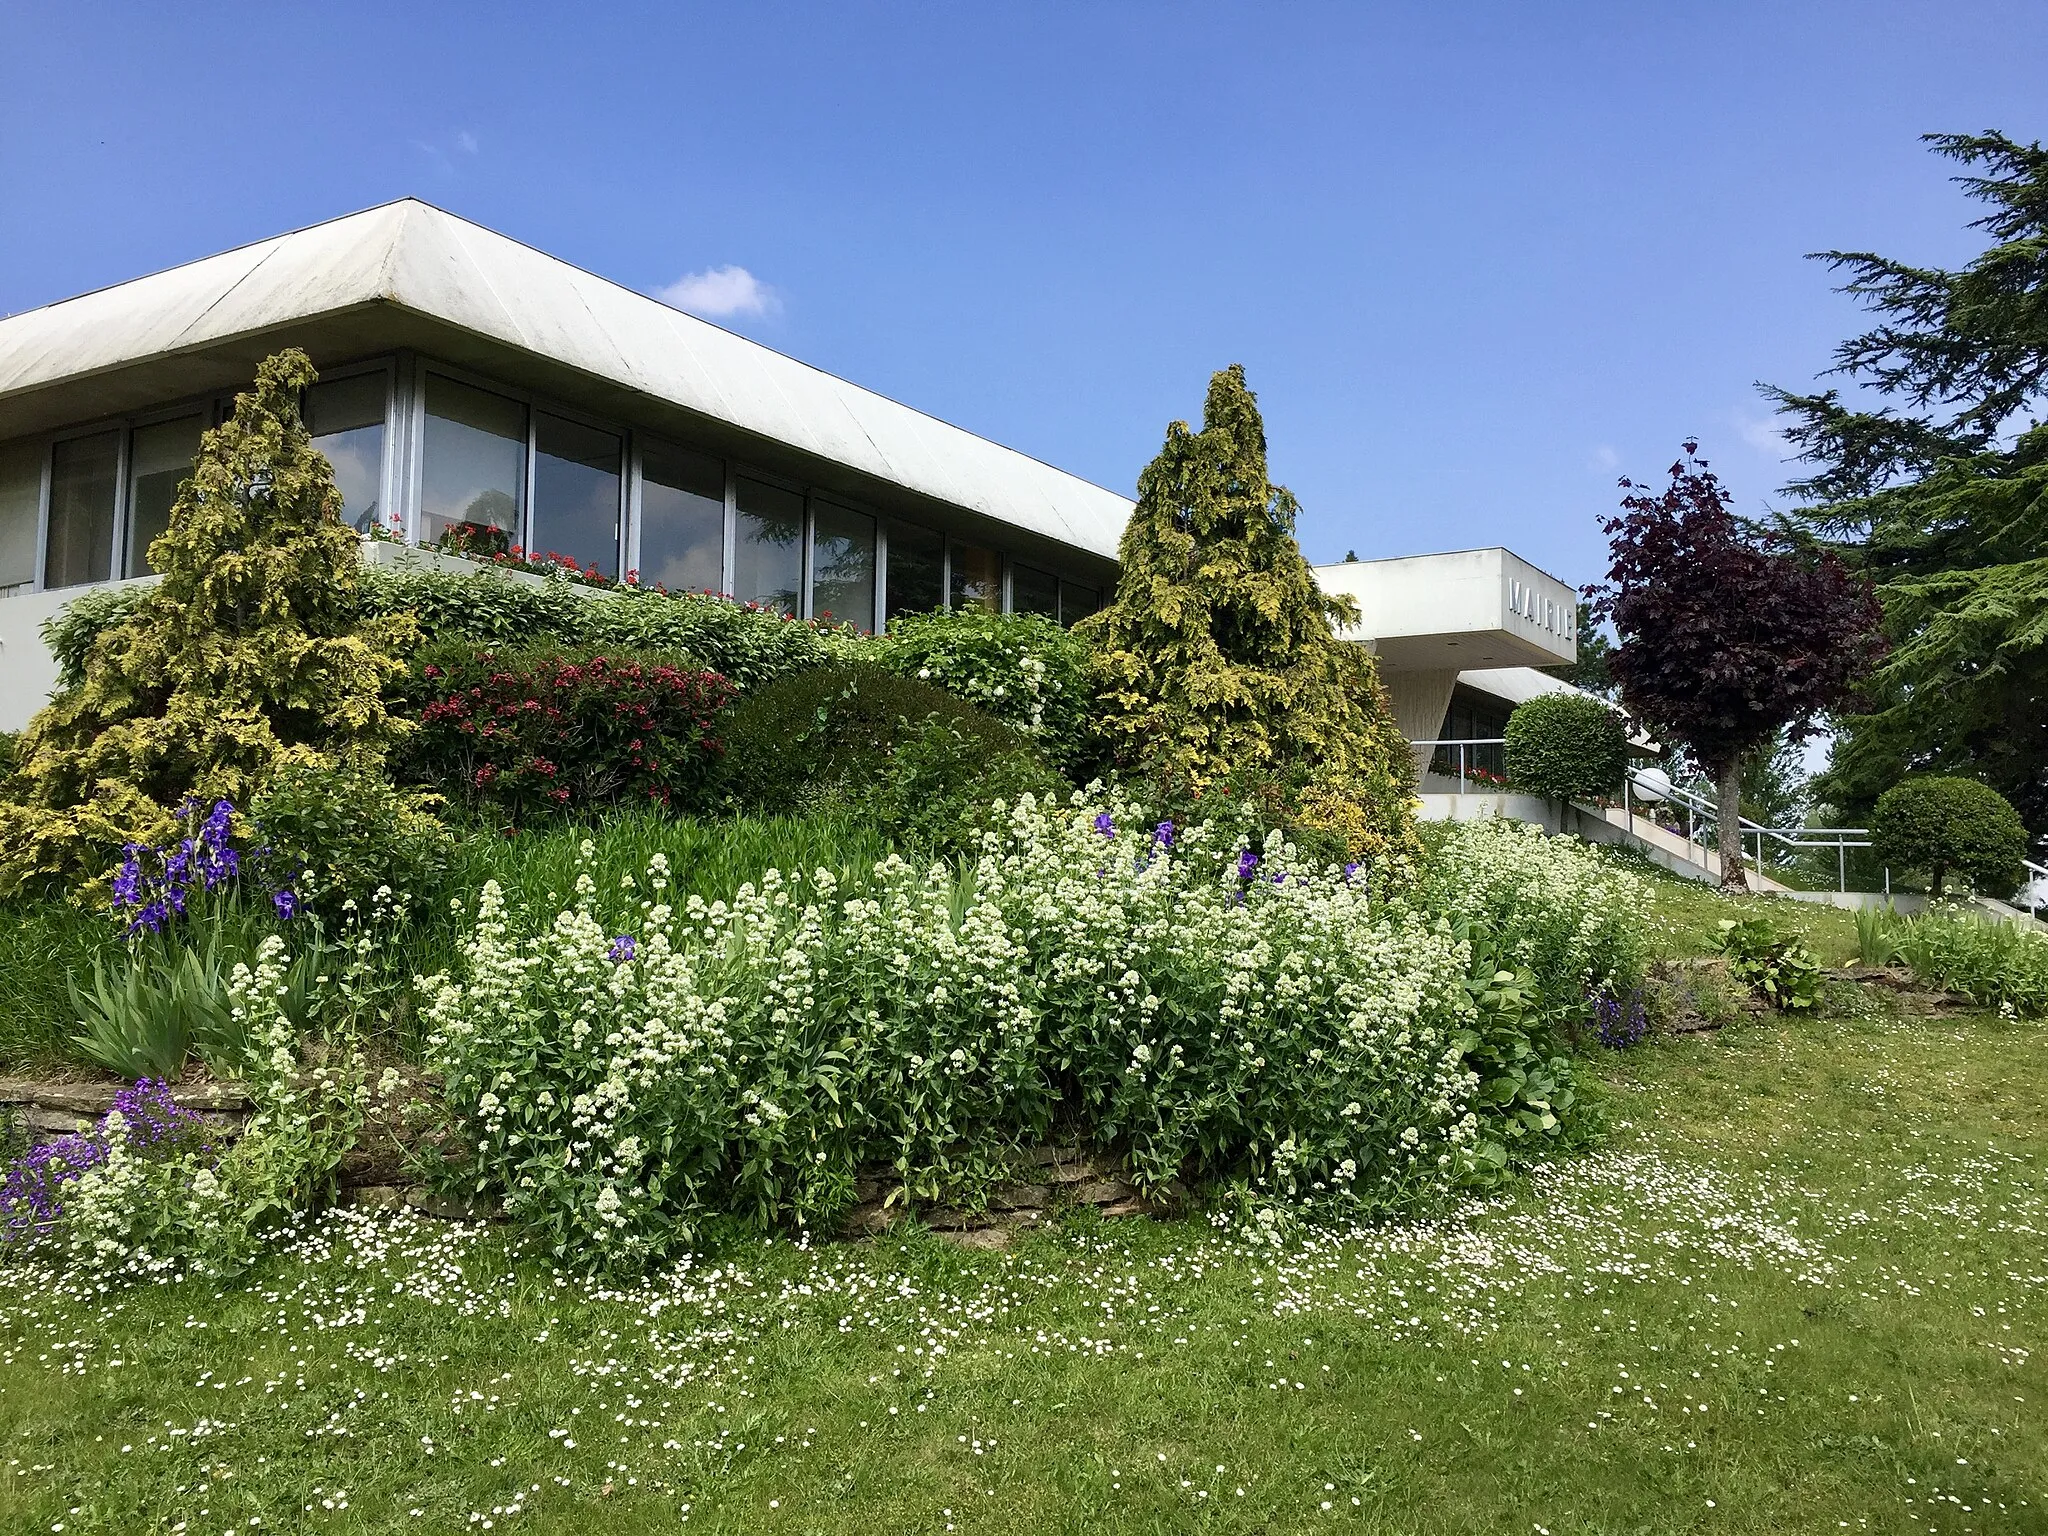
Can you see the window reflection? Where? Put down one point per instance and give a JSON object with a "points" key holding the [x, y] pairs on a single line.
{"points": [[21, 512], [84, 480], [843, 566], [1077, 602], [1034, 591], [767, 556], [576, 480], [346, 419], [682, 520], [159, 461], [916, 579], [977, 578], [474, 464]]}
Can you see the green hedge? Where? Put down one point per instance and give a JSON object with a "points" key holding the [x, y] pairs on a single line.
{"points": [[1566, 746]]}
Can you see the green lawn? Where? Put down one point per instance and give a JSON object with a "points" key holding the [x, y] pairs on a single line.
{"points": [[1802, 1289]]}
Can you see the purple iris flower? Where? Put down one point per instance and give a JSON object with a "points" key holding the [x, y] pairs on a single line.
{"points": [[286, 900], [1104, 825], [1350, 870], [1247, 862], [1163, 834], [622, 950]]}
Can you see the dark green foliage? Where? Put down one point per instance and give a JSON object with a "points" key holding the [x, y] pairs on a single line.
{"points": [[251, 653], [1565, 746], [347, 832], [1946, 826], [535, 735], [912, 759], [1779, 969], [1942, 498], [10, 752], [1022, 668], [1217, 654]]}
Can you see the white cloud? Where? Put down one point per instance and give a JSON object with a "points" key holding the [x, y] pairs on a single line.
{"points": [[1764, 435], [719, 293], [1604, 459], [442, 152]]}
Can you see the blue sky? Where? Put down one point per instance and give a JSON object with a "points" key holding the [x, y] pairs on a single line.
{"points": [[1478, 259]]}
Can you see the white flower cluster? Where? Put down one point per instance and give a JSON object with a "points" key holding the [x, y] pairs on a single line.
{"points": [[629, 1065], [1552, 905], [139, 1214]]}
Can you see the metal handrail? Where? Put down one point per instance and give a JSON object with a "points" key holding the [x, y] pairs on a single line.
{"points": [[1701, 815], [2037, 882]]}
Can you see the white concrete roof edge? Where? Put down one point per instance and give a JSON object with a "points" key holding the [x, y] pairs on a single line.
{"points": [[405, 252]]}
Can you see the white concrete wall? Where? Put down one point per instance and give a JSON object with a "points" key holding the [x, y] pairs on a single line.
{"points": [[28, 672]]}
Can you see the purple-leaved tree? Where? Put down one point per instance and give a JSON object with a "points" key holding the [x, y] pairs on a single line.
{"points": [[1728, 632]]}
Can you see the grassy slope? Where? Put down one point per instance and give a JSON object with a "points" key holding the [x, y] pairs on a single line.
{"points": [[1869, 1186]]}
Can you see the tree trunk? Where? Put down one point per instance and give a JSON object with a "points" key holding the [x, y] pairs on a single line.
{"points": [[1728, 825]]}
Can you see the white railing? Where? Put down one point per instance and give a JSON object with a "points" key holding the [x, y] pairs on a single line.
{"points": [[1701, 817], [1702, 821], [2035, 892]]}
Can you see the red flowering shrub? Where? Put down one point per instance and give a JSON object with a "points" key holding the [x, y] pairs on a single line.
{"points": [[550, 734]]}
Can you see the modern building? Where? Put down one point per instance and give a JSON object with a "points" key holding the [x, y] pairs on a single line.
{"points": [[466, 378]]}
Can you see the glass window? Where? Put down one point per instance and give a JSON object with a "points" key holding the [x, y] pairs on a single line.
{"points": [[21, 512], [682, 520], [576, 482], [1077, 601], [916, 581], [84, 480], [346, 418], [474, 468], [768, 546], [977, 579], [159, 461], [1034, 591], [842, 566]]}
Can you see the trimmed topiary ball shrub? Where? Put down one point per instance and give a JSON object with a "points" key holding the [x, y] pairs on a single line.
{"points": [[529, 736], [923, 765], [1566, 746], [1020, 667], [1950, 826]]}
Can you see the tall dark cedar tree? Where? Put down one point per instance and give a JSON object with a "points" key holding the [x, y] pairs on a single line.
{"points": [[1729, 634], [1940, 494]]}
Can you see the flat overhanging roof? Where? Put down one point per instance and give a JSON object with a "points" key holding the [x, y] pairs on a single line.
{"points": [[407, 273], [1470, 609]]}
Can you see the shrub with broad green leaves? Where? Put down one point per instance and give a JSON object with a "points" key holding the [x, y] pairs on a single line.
{"points": [[1942, 826], [1565, 746], [1777, 967]]}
